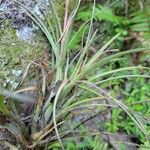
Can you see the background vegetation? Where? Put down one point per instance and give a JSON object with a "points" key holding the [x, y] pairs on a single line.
{"points": [[85, 79]]}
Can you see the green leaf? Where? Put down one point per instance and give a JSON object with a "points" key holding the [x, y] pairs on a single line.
{"points": [[77, 37], [3, 107], [100, 13], [54, 145], [104, 13], [48, 112]]}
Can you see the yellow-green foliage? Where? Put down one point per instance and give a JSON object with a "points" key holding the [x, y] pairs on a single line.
{"points": [[60, 5], [60, 9]]}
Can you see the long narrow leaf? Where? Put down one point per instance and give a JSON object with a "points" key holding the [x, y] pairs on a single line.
{"points": [[118, 70], [122, 77], [122, 106]]}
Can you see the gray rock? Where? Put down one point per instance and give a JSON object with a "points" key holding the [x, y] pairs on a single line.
{"points": [[20, 20], [25, 33]]}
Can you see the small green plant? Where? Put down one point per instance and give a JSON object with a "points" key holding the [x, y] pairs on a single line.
{"points": [[136, 22], [74, 85], [95, 143]]}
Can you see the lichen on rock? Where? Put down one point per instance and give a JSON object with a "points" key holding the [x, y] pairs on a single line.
{"points": [[18, 41]]}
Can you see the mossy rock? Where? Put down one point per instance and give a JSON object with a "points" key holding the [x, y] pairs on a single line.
{"points": [[15, 54]]}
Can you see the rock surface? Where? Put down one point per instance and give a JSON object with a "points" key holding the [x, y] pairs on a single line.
{"points": [[20, 20]]}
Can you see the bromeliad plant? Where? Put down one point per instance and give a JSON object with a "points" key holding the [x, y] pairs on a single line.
{"points": [[75, 82]]}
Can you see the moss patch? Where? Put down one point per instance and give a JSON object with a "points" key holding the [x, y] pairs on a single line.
{"points": [[15, 54]]}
